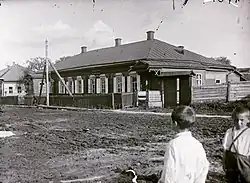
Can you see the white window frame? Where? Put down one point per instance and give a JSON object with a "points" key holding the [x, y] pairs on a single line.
{"points": [[62, 88], [133, 79], [102, 85], [11, 90], [198, 79], [70, 85], [119, 84], [92, 85], [79, 84], [178, 90], [19, 89], [217, 80]]}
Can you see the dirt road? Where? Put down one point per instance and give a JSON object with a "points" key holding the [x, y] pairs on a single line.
{"points": [[56, 145]]}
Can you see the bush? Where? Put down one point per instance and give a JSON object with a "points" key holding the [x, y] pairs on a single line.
{"points": [[218, 107]]}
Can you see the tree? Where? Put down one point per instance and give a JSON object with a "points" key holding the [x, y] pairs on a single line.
{"points": [[36, 64], [27, 81], [62, 59], [224, 60]]}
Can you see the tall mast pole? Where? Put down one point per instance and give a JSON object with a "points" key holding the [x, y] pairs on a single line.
{"points": [[47, 72]]}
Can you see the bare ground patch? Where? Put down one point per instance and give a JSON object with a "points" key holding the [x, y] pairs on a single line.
{"points": [[54, 145]]}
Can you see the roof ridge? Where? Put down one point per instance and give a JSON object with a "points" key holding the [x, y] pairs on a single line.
{"points": [[113, 47], [7, 70]]}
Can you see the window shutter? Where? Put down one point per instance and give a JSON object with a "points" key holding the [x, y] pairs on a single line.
{"points": [[138, 82], [98, 85], [114, 84], [76, 86], [128, 83], [89, 90], [59, 87], [106, 85], [123, 83], [82, 85]]}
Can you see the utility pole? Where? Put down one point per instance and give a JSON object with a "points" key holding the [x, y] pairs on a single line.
{"points": [[47, 72]]}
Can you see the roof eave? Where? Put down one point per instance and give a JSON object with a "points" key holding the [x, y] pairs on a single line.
{"points": [[97, 65], [207, 65]]}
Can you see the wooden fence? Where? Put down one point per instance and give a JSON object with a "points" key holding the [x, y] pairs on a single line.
{"points": [[114, 101], [239, 91], [223, 92], [10, 100], [209, 93], [98, 101], [128, 99]]}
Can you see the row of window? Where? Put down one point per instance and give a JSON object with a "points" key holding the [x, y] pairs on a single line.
{"points": [[102, 85], [199, 80], [19, 89]]}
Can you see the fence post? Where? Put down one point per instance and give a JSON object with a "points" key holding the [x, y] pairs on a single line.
{"points": [[228, 99], [122, 100], [191, 87], [161, 91], [136, 99], [147, 99], [113, 100]]}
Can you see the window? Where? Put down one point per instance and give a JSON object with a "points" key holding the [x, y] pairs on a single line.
{"points": [[218, 81], [119, 84], [19, 89], [10, 89], [198, 79], [92, 85], [70, 85], [178, 90], [79, 86], [134, 83], [62, 88], [102, 80]]}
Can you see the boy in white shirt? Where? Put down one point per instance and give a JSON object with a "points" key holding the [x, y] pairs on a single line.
{"points": [[236, 144], [185, 159]]}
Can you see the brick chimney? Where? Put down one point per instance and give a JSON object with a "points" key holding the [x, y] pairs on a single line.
{"points": [[181, 49], [150, 35], [83, 49], [118, 41]]}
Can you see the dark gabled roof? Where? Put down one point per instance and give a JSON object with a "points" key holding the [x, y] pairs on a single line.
{"points": [[247, 77], [245, 70], [3, 72], [12, 73], [153, 51]]}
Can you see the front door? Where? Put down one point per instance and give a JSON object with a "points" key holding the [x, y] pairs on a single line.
{"points": [[170, 92], [185, 90]]}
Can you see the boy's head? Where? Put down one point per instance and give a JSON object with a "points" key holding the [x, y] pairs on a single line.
{"points": [[183, 117], [240, 117]]}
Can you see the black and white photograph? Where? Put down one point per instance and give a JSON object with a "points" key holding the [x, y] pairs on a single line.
{"points": [[125, 91]]}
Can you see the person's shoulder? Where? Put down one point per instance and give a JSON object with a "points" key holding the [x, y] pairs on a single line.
{"points": [[248, 131], [171, 142], [198, 142], [229, 130]]}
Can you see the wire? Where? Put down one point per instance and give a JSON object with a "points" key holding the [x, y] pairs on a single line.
{"points": [[93, 5], [161, 22]]}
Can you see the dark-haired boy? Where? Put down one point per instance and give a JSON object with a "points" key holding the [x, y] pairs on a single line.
{"points": [[236, 144], [185, 159]]}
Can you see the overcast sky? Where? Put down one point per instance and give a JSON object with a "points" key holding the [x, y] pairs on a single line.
{"points": [[211, 29]]}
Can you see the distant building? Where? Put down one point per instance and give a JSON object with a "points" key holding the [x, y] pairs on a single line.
{"points": [[10, 81], [245, 72], [37, 82]]}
